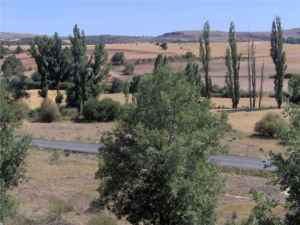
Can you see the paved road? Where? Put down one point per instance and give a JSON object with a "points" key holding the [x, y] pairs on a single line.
{"points": [[221, 160]]}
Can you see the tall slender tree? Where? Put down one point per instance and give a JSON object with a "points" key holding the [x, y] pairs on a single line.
{"points": [[161, 61], [262, 78], [86, 72], [232, 62], [205, 56], [279, 59], [252, 74]]}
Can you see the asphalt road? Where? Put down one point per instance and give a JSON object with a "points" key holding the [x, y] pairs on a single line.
{"points": [[238, 162]]}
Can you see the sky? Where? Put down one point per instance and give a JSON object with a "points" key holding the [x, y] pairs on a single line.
{"points": [[143, 17]]}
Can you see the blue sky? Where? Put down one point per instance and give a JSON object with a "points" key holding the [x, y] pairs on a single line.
{"points": [[143, 17]]}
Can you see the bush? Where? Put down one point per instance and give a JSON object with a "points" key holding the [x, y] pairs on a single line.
{"points": [[271, 125], [59, 98], [117, 86], [48, 112], [129, 69], [101, 111], [22, 110], [118, 58], [69, 113], [102, 220]]}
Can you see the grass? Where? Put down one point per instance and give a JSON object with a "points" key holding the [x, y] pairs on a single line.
{"points": [[69, 187]]}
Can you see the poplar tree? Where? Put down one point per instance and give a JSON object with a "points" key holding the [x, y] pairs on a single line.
{"points": [[232, 62], [160, 62], [205, 56], [86, 72], [279, 59], [252, 74]]}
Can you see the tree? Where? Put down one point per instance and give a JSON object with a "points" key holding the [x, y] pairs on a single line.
{"points": [[3, 50], [12, 66], [161, 62], [261, 91], [86, 73], [232, 62], [279, 59], [13, 150], [205, 55], [156, 168], [288, 168], [53, 61], [129, 69], [118, 58], [294, 89], [164, 46], [193, 75], [13, 73], [252, 74], [19, 50]]}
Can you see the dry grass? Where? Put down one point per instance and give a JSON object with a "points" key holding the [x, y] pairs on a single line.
{"points": [[245, 121], [71, 180], [68, 131]]}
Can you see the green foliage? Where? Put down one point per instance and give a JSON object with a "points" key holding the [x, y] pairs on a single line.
{"points": [[271, 125], [155, 168], [189, 56], [160, 63], [12, 151], [49, 111], [134, 83], [193, 75], [117, 86], [12, 66], [3, 50], [279, 58], [86, 74], [205, 57], [102, 111], [129, 69], [232, 62], [13, 72], [102, 220], [118, 58], [252, 74], [294, 89], [19, 50]]}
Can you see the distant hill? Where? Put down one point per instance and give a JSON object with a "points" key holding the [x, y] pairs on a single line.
{"points": [[8, 36], [220, 36], [178, 36]]}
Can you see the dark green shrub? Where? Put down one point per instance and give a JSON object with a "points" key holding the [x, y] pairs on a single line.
{"points": [[134, 83], [118, 58], [48, 112], [117, 86], [101, 111], [271, 125], [129, 69]]}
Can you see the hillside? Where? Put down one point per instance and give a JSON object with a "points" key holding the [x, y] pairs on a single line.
{"points": [[177, 36]]}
